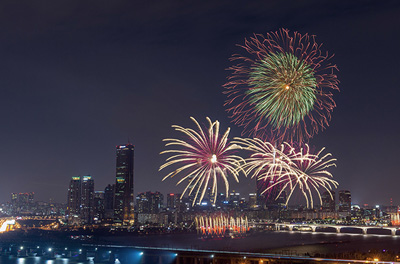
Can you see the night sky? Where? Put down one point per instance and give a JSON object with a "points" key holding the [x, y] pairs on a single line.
{"points": [[78, 78]]}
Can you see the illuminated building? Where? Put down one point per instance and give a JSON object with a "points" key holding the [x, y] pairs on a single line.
{"points": [[124, 196], [142, 203], [252, 200], [87, 199], [234, 199], [149, 202], [99, 206], [171, 201], [80, 204], [22, 202], [74, 197], [328, 201], [344, 201]]}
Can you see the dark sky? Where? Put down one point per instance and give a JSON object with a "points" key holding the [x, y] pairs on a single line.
{"points": [[78, 78]]}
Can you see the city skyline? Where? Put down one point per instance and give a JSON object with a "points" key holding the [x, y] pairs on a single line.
{"points": [[79, 79]]}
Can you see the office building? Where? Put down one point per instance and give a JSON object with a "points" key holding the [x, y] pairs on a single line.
{"points": [[109, 202], [344, 201], [80, 204], [99, 210], [149, 202], [87, 199], [74, 197], [124, 196], [252, 201], [328, 201]]}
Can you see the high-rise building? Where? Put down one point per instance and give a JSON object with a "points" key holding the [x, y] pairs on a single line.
{"points": [[142, 203], [87, 199], [252, 200], [109, 202], [171, 201], [74, 197], [234, 199], [22, 202], [99, 210], [124, 197], [344, 201], [149, 202], [328, 201], [80, 204], [156, 202]]}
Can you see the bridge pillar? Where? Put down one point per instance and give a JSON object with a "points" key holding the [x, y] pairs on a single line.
{"points": [[365, 231], [277, 227], [338, 229], [393, 231], [290, 227], [314, 228]]}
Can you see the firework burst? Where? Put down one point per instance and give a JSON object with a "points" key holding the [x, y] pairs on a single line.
{"points": [[282, 90], [287, 169], [202, 158]]}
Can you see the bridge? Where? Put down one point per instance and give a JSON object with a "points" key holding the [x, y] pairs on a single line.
{"points": [[338, 228]]}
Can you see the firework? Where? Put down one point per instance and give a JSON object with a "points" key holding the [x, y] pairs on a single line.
{"points": [[203, 158], [282, 89], [219, 225], [287, 169]]}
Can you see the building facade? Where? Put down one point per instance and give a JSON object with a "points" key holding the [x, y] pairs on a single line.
{"points": [[344, 201], [80, 204], [124, 196], [328, 201]]}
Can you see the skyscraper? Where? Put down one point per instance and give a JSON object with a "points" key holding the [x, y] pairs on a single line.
{"points": [[87, 199], [124, 198], [99, 206], [344, 201], [109, 202], [328, 201], [80, 203], [171, 201], [149, 202], [74, 197]]}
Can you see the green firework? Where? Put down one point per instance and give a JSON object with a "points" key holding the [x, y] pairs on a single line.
{"points": [[282, 89]]}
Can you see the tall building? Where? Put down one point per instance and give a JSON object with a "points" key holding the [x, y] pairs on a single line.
{"points": [[74, 197], [171, 201], [252, 201], [22, 202], [87, 199], [149, 202], [98, 210], [124, 197], [328, 201], [142, 203], [156, 202], [234, 199], [109, 202], [80, 204], [344, 201]]}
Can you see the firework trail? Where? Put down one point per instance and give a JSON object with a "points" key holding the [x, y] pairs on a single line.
{"points": [[289, 169], [202, 158], [282, 90]]}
